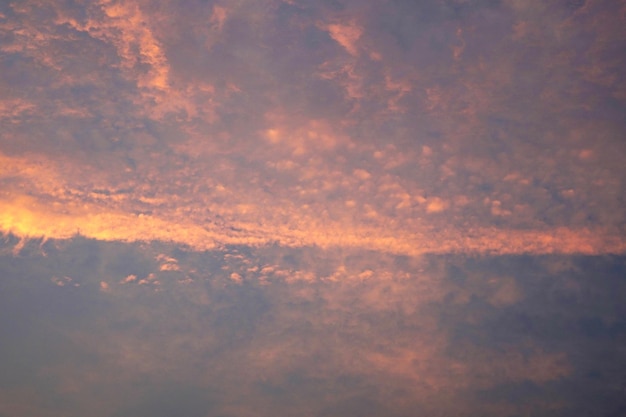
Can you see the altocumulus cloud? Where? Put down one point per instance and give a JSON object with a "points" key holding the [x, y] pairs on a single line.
{"points": [[284, 207]]}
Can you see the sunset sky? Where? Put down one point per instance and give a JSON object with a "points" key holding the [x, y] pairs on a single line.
{"points": [[312, 208]]}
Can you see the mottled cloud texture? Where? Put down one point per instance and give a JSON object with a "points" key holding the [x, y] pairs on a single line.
{"points": [[312, 208], [444, 126]]}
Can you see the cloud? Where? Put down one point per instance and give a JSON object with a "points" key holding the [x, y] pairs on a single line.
{"points": [[411, 129], [129, 278], [495, 333], [311, 208], [134, 33], [345, 35]]}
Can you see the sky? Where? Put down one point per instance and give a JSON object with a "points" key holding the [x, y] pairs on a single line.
{"points": [[321, 208]]}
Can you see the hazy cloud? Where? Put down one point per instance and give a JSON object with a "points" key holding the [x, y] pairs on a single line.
{"points": [[288, 207]]}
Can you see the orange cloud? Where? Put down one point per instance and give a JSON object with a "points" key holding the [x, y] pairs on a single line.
{"points": [[27, 217], [346, 35], [219, 16], [127, 19], [409, 158]]}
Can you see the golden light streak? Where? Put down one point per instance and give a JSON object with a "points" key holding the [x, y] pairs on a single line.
{"points": [[26, 217]]}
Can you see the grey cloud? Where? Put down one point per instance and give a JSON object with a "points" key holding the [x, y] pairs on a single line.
{"points": [[166, 399], [500, 332]]}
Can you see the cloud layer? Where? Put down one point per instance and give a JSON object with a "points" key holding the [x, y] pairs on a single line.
{"points": [[312, 208], [111, 329], [441, 127]]}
